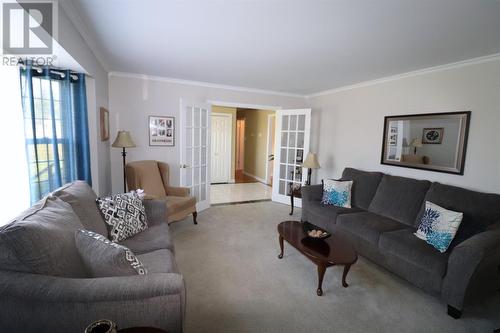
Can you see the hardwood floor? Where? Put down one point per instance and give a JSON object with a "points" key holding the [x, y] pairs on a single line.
{"points": [[240, 177]]}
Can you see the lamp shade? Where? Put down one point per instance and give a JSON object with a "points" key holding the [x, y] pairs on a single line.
{"points": [[311, 162], [123, 140], [416, 143]]}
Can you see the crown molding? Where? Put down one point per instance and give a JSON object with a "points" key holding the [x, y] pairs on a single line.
{"points": [[464, 63], [73, 11], [203, 84], [469, 62]]}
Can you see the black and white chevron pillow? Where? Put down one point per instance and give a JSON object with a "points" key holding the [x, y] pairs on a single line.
{"points": [[104, 258], [124, 215]]}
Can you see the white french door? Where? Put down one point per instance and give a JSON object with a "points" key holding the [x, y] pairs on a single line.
{"points": [[292, 136], [221, 148], [195, 151]]}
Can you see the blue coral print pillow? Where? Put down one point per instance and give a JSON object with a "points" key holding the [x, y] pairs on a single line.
{"points": [[438, 226], [337, 193]]}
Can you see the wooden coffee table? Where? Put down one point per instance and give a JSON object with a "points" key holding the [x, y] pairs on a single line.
{"points": [[324, 253]]}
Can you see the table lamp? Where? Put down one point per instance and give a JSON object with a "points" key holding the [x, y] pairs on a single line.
{"points": [[416, 143], [123, 140], [310, 163]]}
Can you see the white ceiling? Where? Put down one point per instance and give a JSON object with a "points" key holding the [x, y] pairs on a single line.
{"points": [[298, 47]]}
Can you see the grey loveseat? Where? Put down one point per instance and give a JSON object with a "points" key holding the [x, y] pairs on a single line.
{"points": [[44, 286], [386, 211]]}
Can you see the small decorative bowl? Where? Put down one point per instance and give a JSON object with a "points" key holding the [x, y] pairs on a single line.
{"points": [[309, 227]]}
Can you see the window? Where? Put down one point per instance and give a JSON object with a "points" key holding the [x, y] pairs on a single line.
{"points": [[15, 194], [56, 129]]}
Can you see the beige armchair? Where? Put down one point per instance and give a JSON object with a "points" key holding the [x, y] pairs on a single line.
{"points": [[152, 177]]}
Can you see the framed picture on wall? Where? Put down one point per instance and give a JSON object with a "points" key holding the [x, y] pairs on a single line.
{"points": [[432, 135], [104, 123], [161, 131]]}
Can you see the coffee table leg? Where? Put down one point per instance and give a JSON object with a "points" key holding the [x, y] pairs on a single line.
{"points": [[321, 274], [280, 256], [346, 270]]}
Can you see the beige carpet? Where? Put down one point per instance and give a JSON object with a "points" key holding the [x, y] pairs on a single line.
{"points": [[235, 283]]}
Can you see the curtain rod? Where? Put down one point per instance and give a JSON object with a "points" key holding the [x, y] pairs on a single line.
{"points": [[54, 71]]}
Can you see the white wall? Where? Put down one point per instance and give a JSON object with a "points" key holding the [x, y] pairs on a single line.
{"points": [[347, 125], [133, 99], [71, 40]]}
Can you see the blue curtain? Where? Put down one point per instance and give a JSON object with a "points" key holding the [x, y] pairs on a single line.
{"points": [[56, 128]]}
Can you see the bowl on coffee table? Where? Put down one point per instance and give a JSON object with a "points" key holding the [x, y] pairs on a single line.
{"points": [[314, 232]]}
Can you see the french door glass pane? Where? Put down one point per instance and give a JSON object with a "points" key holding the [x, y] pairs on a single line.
{"points": [[282, 171], [189, 156], [189, 117], [293, 123], [291, 139], [289, 174], [189, 137], [189, 177], [196, 192], [300, 156], [283, 155], [196, 117], [204, 118], [203, 194], [204, 156], [301, 126], [291, 155], [196, 177], [282, 189], [196, 142], [300, 140], [196, 157], [204, 137], [204, 174], [298, 173], [284, 123], [284, 139]]}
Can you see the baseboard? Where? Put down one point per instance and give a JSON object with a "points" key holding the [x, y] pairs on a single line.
{"points": [[232, 181], [260, 180]]}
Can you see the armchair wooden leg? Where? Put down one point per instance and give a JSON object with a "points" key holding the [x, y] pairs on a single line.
{"points": [[195, 214]]}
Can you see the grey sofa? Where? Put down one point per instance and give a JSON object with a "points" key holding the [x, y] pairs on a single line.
{"points": [[386, 211], [44, 286]]}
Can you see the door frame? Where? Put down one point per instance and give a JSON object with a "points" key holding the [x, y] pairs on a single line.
{"points": [[269, 117], [231, 104], [229, 138], [182, 147]]}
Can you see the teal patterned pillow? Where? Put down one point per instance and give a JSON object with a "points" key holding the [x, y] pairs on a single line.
{"points": [[438, 226], [337, 193]]}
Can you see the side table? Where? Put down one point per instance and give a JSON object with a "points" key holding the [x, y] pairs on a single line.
{"points": [[294, 191]]}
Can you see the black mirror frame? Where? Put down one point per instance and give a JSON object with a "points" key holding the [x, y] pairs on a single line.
{"points": [[464, 144]]}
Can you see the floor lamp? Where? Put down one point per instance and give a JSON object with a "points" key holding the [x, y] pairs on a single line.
{"points": [[123, 140]]}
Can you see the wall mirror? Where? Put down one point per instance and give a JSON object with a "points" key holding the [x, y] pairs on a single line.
{"points": [[433, 141]]}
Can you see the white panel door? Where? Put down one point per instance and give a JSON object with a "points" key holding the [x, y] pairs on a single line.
{"points": [[293, 129], [221, 148], [195, 151]]}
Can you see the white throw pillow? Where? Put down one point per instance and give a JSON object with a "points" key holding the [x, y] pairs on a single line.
{"points": [[438, 226], [337, 193]]}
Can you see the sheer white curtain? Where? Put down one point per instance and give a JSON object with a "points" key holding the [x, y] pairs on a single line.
{"points": [[14, 181]]}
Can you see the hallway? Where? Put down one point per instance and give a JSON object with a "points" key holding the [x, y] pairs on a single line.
{"points": [[230, 193]]}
